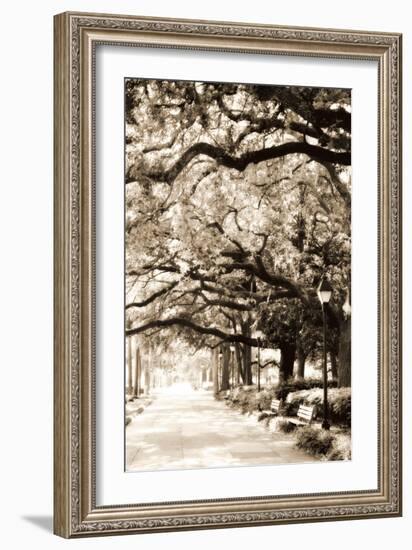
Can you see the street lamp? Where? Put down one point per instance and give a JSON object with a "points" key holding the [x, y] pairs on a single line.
{"points": [[258, 334], [324, 294]]}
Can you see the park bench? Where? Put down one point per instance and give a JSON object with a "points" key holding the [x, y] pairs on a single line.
{"points": [[226, 394], [275, 406], [305, 415]]}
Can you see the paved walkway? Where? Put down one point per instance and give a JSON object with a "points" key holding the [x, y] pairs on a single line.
{"points": [[193, 430]]}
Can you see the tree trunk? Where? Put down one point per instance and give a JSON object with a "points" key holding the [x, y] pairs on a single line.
{"points": [[215, 370], [301, 359], [334, 365], [239, 371], [247, 365], [344, 356], [287, 360], [247, 353], [129, 360], [147, 370], [225, 368], [136, 382], [147, 378]]}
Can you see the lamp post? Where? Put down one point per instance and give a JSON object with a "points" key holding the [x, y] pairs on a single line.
{"points": [[258, 334], [324, 294]]}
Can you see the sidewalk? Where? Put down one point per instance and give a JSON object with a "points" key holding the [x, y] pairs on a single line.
{"points": [[193, 430]]}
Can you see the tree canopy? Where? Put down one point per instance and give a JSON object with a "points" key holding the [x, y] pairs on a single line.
{"points": [[237, 203]]}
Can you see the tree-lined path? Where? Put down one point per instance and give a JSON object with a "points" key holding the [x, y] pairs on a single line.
{"points": [[238, 203], [193, 430], [237, 208]]}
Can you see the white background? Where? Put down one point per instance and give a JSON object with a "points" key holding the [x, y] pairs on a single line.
{"points": [[114, 485], [26, 274]]}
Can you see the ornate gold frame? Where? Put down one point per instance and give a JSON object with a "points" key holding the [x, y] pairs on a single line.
{"points": [[75, 510]]}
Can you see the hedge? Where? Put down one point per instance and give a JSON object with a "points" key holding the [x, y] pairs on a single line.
{"points": [[247, 399], [314, 441], [339, 401], [293, 385]]}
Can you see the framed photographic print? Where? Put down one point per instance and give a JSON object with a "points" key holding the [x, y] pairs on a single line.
{"points": [[227, 274]]}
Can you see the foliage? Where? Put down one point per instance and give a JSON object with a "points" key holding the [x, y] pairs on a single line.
{"points": [[341, 406], [237, 202], [341, 448], [248, 399], [285, 426], [339, 400], [315, 441], [296, 384], [264, 399]]}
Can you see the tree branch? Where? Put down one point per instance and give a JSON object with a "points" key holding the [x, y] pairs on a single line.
{"points": [[241, 162], [187, 323], [152, 298], [262, 366]]}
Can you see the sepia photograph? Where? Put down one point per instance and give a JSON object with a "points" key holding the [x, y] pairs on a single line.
{"points": [[237, 232]]}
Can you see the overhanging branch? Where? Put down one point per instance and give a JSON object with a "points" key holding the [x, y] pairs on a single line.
{"points": [[241, 162], [187, 323]]}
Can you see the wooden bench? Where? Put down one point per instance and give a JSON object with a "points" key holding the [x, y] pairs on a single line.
{"points": [[275, 405], [305, 415], [226, 394]]}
